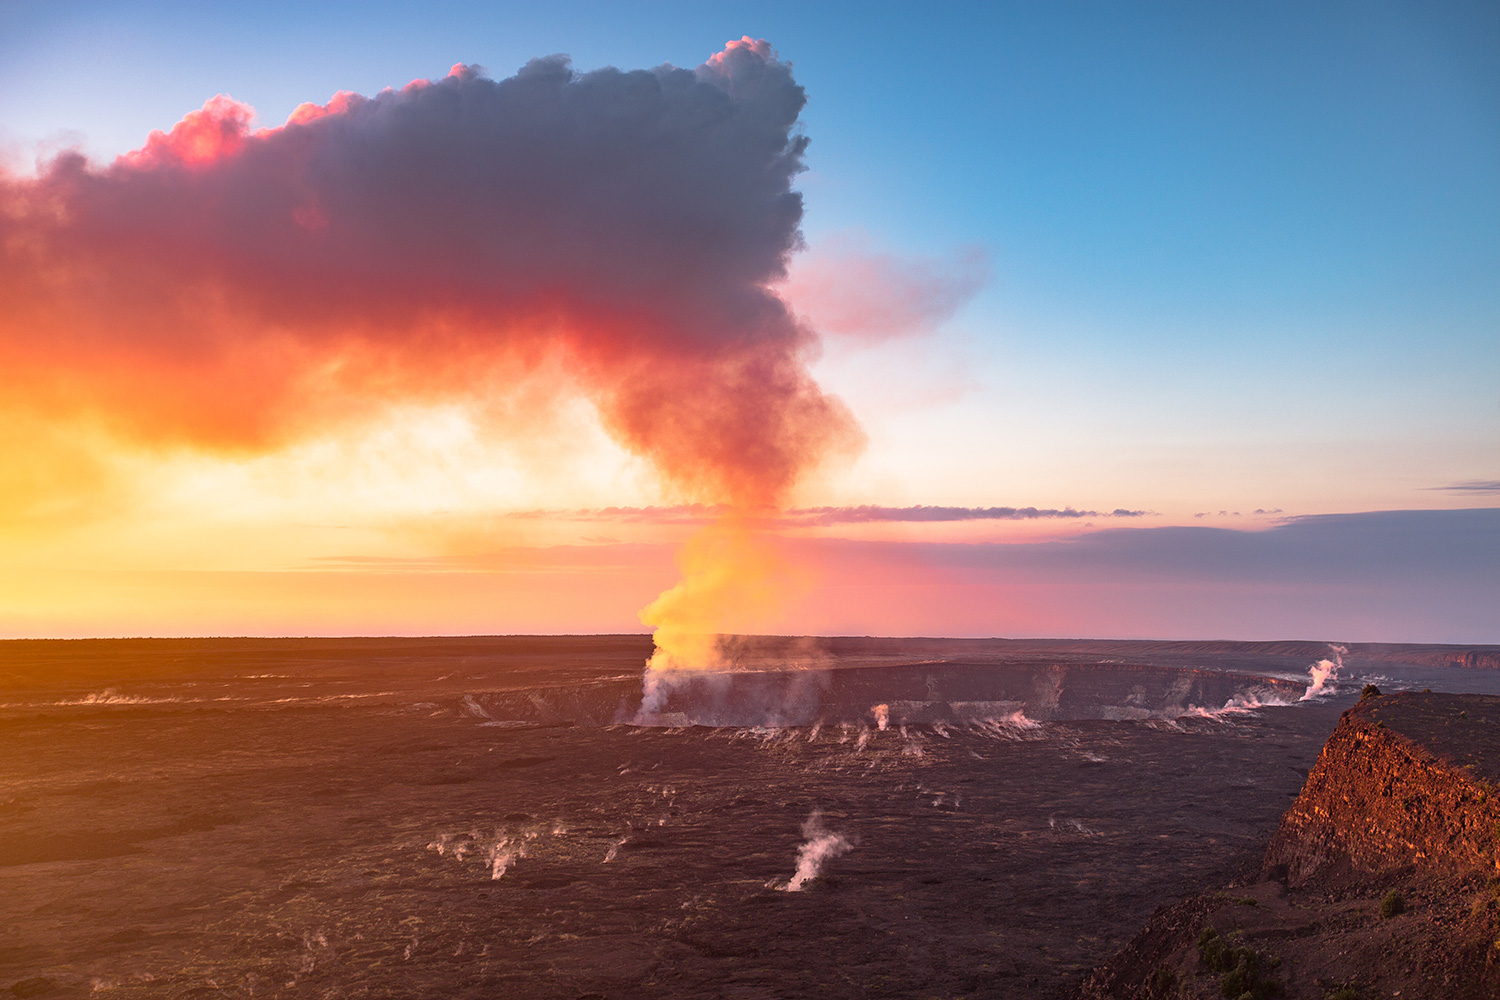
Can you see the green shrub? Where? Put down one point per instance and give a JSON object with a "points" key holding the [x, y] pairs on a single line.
{"points": [[1163, 981], [1391, 904], [1342, 993], [1240, 966], [1213, 951], [1369, 691], [1236, 982]]}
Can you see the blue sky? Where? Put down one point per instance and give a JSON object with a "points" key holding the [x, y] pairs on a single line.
{"points": [[1241, 256], [1226, 230]]}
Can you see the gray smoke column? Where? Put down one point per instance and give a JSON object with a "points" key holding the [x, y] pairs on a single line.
{"points": [[232, 287]]}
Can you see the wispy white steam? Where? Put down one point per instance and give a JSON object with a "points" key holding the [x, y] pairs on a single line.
{"points": [[1071, 824], [882, 716], [820, 845], [1010, 726], [654, 692], [474, 708], [1241, 703], [1322, 679], [736, 690], [1325, 673], [502, 854], [110, 696]]}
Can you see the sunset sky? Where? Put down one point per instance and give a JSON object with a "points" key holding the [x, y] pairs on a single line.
{"points": [[1100, 322]]}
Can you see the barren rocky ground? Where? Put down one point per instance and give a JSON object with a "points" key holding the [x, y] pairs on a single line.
{"points": [[387, 818], [1380, 882]]}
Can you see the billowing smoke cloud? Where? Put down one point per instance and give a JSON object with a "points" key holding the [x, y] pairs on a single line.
{"points": [[620, 232], [227, 286]]}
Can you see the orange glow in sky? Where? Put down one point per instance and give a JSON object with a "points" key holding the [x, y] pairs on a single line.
{"points": [[535, 354]]}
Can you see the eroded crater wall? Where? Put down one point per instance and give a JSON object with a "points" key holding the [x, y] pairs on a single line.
{"points": [[1405, 780]]}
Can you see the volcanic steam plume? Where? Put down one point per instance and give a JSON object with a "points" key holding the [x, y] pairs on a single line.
{"points": [[232, 287]]}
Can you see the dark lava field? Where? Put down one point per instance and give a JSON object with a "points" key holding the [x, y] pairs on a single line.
{"points": [[497, 817]]}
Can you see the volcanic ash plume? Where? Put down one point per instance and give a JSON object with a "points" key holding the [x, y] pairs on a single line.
{"points": [[728, 566], [617, 233], [820, 845]]}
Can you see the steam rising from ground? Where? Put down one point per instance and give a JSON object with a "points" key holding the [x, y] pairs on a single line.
{"points": [[731, 687], [729, 567], [1322, 680], [767, 686], [820, 844], [1325, 673], [498, 852]]}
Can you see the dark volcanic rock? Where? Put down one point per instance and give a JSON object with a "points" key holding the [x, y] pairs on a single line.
{"points": [[1405, 780], [1382, 875], [468, 817]]}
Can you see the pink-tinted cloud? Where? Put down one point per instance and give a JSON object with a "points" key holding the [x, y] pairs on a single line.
{"points": [[845, 289], [797, 516], [870, 513], [226, 287], [1474, 487], [216, 131], [1399, 576]]}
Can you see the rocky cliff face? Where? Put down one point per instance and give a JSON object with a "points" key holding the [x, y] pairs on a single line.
{"points": [[1406, 780], [1383, 878], [1468, 657]]}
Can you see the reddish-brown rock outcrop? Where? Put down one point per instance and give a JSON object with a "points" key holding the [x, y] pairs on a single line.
{"points": [[1403, 803], [1405, 780]]}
